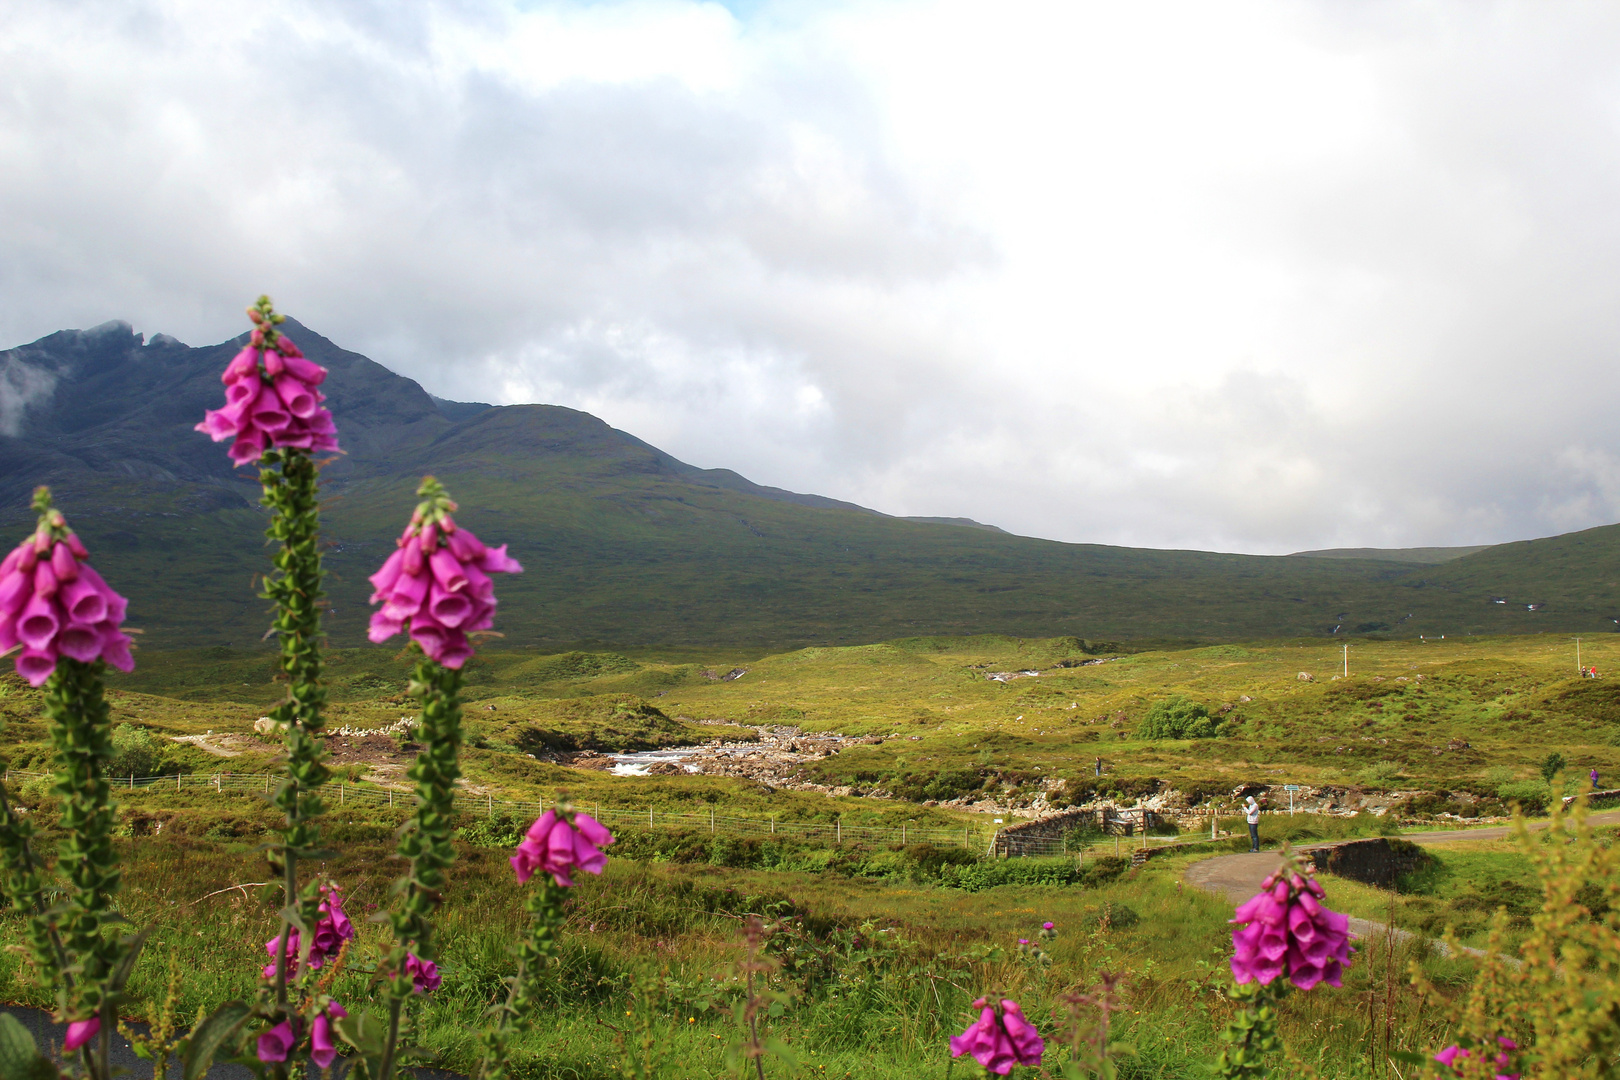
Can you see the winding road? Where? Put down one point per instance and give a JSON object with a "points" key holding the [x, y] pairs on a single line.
{"points": [[1238, 877]]}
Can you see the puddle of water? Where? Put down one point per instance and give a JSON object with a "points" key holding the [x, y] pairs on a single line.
{"points": [[637, 764]]}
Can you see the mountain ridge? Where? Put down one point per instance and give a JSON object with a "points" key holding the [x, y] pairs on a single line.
{"points": [[627, 545]]}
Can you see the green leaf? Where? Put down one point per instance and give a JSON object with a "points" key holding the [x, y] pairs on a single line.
{"points": [[363, 1031], [1406, 1057], [20, 1059], [779, 1050], [133, 946], [212, 1034]]}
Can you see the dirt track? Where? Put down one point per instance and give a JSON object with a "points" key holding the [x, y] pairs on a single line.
{"points": [[1238, 876]]}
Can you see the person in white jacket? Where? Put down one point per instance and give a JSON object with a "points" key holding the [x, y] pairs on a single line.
{"points": [[1251, 812]]}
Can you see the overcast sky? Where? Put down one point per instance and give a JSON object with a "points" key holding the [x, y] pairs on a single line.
{"points": [[1254, 277]]}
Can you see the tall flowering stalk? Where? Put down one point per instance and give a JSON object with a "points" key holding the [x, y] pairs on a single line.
{"points": [[560, 842], [273, 415], [1284, 931], [68, 621], [1547, 1005], [436, 585]]}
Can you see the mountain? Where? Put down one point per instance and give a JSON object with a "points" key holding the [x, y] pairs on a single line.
{"points": [[1426, 556], [626, 545]]}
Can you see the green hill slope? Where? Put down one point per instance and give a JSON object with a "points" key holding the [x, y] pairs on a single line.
{"points": [[626, 545]]}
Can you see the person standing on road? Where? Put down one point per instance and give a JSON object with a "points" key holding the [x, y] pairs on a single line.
{"points": [[1251, 812]]}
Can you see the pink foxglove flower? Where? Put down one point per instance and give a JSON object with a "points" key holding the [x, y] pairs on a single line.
{"points": [[1450, 1054], [54, 604], [424, 974], [332, 929], [80, 1032], [1289, 932], [271, 399], [998, 1042], [321, 1047], [277, 1043], [553, 846], [437, 582]]}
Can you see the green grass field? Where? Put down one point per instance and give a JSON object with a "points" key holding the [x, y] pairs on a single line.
{"points": [[881, 945], [877, 971], [1475, 715]]}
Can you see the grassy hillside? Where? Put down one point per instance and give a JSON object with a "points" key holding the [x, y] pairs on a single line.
{"points": [[628, 547]]}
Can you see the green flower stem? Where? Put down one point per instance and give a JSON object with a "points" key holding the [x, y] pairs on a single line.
{"points": [[545, 908], [81, 731], [1251, 1037], [290, 480], [426, 838]]}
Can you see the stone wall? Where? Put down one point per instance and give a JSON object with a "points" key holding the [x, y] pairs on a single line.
{"points": [[1044, 836], [1379, 861]]}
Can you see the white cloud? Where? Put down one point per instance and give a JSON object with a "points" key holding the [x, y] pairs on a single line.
{"points": [[1259, 276]]}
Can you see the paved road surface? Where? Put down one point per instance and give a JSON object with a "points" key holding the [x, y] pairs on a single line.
{"points": [[1238, 877], [47, 1033]]}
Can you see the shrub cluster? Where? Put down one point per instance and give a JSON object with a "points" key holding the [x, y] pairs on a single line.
{"points": [[1180, 717]]}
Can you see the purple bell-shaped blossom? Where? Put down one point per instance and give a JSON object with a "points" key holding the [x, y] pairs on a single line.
{"points": [[277, 1043], [436, 583], [322, 1048], [54, 604], [1448, 1057], [553, 846], [332, 929], [80, 1032], [424, 974], [271, 399], [1289, 932], [998, 1041]]}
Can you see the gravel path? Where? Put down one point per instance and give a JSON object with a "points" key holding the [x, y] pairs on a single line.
{"points": [[1238, 877]]}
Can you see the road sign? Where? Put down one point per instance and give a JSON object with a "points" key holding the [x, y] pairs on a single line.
{"points": [[1290, 787]]}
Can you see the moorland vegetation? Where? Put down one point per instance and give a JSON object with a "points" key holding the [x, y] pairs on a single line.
{"points": [[498, 946]]}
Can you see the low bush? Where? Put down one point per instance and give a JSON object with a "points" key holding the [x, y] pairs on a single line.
{"points": [[1529, 795], [137, 752], [1177, 717], [1379, 774]]}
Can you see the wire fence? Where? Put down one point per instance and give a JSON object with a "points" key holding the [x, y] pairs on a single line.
{"points": [[339, 794]]}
